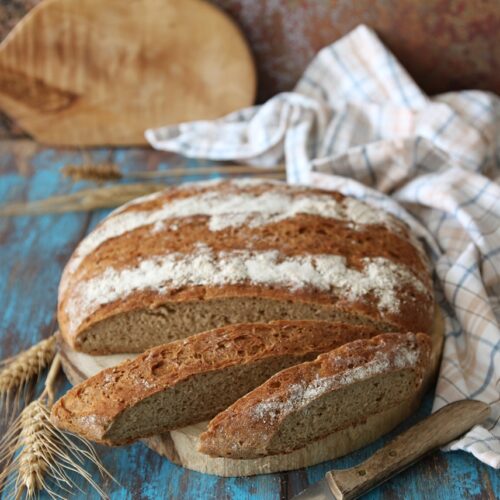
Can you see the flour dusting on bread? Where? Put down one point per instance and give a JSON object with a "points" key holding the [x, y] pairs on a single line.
{"points": [[229, 209], [306, 402], [301, 394], [379, 277]]}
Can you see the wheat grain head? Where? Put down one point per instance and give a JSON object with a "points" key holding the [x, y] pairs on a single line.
{"points": [[19, 370], [99, 172], [36, 452], [35, 455]]}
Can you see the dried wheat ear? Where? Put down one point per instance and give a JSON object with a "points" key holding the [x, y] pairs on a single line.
{"points": [[19, 371], [35, 455]]}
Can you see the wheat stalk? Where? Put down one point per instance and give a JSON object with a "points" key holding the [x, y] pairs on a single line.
{"points": [[102, 197], [38, 456], [87, 199], [101, 172], [19, 370]]}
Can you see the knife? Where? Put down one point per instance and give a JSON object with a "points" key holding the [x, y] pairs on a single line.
{"points": [[438, 429]]}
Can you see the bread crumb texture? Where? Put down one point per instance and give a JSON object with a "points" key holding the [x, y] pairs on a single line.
{"points": [[339, 389]]}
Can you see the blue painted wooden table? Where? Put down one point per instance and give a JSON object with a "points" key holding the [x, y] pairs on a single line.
{"points": [[33, 251]]}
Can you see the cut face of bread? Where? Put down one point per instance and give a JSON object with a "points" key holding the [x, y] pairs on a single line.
{"points": [[313, 399], [191, 380], [205, 255], [143, 329]]}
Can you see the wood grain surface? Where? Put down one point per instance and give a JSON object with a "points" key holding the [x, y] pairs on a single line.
{"points": [[33, 251], [444, 44], [93, 72]]}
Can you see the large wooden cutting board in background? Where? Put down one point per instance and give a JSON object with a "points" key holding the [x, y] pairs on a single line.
{"points": [[91, 72]]}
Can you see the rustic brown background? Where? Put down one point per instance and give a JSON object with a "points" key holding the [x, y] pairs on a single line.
{"points": [[445, 44]]}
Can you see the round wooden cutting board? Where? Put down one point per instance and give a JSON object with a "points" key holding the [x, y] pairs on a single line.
{"points": [[181, 446], [92, 72]]}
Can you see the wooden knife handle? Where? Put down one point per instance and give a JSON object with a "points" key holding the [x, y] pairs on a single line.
{"points": [[436, 430]]}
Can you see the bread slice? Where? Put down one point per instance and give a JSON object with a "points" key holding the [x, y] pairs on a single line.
{"points": [[191, 380], [309, 401]]}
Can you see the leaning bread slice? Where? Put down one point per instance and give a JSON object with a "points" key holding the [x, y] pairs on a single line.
{"points": [[191, 380], [309, 401]]}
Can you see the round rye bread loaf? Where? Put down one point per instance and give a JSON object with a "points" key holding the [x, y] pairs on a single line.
{"points": [[239, 285], [204, 255]]}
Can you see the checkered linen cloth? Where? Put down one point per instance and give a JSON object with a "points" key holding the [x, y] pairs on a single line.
{"points": [[356, 122]]}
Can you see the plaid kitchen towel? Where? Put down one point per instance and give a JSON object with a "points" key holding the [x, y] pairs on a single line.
{"points": [[356, 122]]}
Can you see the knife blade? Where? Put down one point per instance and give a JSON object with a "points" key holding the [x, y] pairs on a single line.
{"points": [[318, 491], [438, 429]]}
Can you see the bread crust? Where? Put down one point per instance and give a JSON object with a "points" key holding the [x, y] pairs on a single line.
{"points": [[251, 427], [91, 408], [291, 235]]}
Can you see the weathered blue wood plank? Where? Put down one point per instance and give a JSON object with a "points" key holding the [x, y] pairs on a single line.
{"points": [[33, 251]]}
